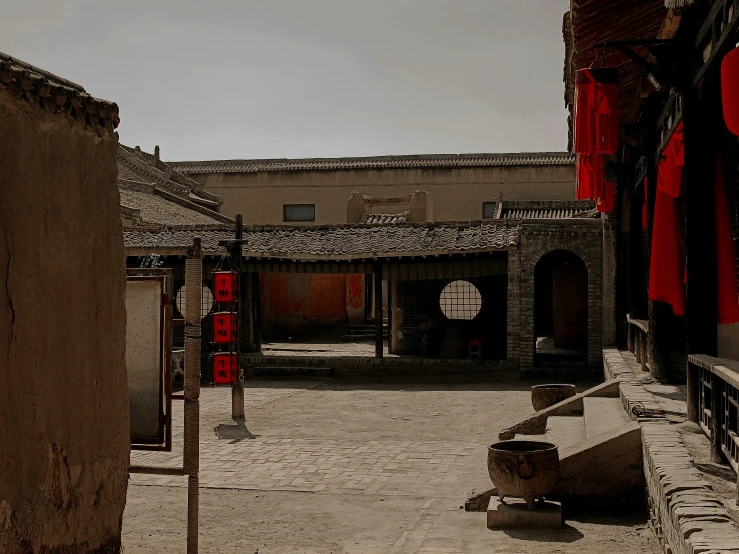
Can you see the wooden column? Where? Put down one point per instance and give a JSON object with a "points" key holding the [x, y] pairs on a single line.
{"points": [[700, 233], [717, 390], [379, 339], [659, 318], [389, 314]]}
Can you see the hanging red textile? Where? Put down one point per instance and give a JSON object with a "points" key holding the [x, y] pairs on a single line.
{"points": [[730, 90], [726, 275], [596, 111], [606, 200], [667, 266]]}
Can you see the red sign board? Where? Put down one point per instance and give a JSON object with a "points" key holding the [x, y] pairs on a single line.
{"points": [[225, 368], [225, 286], [225, 327]]}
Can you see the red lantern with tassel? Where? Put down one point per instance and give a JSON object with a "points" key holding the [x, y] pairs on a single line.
{"points": [[730, 90], [225, 368], [225, 286], [225, 327], [596, 111]]}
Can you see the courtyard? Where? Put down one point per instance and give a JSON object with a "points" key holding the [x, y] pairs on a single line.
{"points": [[330, 467]]}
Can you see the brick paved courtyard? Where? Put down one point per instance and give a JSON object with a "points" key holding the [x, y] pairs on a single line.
{"points": [[322, 467]]}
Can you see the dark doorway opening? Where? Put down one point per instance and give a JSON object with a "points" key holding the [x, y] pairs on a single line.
{"points": [[560, 309]]}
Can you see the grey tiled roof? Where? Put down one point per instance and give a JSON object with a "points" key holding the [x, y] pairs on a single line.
{"points": [[442, 161], [161, 211], [542, 209], [344, 242], [384, 219]]}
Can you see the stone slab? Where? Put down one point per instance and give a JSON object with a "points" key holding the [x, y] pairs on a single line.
{"points": [[514, 513]]}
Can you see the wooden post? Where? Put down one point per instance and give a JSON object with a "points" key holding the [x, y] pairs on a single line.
{"points": [[237, 389], [379, 334], [693, 393], [717, 389], [389, 314], [700, 232], [191, 442]]}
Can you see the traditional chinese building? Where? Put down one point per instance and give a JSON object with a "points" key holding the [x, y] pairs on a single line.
{"points": [[674, 167]]}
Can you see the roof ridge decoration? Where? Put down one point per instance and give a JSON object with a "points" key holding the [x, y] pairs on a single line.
{"points": [[56, 95], [418, 161]]}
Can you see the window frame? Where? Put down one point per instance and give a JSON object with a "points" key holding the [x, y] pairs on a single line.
{"points": [[285, 207], [494, 209]]}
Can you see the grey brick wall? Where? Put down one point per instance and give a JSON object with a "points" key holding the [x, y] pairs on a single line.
{"points": [[581, 237]]}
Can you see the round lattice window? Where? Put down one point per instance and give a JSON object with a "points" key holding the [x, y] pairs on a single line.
{"points": [[460, 300], [206, 302]]}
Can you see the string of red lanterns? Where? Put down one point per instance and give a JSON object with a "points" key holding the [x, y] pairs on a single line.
{"points": [[226, 327]]}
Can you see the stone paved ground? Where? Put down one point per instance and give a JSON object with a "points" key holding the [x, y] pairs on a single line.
{"points": [[327, 467]]}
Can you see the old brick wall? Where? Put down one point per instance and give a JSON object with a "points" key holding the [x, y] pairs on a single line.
{"points": [[64, 420], [581, 237]]}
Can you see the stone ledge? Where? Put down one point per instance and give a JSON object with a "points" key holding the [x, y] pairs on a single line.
{"points": [[687, 516]]}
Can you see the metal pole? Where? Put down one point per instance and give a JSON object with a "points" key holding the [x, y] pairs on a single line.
{"points": [[191, 454], [238, 412]]}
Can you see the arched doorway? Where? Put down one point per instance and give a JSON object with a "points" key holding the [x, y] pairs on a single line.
{"points": [[560, 308]]}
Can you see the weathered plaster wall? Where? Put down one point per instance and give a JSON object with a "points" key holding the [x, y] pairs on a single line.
{"points": [[64, 421], [298, 304], [457, 194]]}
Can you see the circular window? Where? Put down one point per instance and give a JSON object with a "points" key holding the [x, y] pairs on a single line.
{"points": [[206, 302], [460, 300]]}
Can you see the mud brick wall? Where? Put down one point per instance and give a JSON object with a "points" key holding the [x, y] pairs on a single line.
{"points": [[64, 420]]}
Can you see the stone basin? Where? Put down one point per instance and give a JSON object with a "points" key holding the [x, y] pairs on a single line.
{"points": [[523, 469], [543, 396]]}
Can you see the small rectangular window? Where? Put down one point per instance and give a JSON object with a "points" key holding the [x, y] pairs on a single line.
{"points": [[298, 212], [489, 210]]}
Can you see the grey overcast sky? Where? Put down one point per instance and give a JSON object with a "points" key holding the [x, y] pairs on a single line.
{"points": [[217, 79]]}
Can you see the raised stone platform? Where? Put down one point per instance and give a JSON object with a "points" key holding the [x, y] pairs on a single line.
{"points": [[514, 513], [686, 514]]}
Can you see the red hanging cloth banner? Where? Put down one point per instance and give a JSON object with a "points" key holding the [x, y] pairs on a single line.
{"points": [[726, 275], [667, 265], [596, 111], [730, 90]]}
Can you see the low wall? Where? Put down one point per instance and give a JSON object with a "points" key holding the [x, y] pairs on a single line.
{"points": [[374, 368]]}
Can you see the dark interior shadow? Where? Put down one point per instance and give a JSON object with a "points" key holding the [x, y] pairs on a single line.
{"points": [[235, 433], [567, 534], [722, 472]]}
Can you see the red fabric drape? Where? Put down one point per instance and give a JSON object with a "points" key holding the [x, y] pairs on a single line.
{"points": [[667, 267], [596, 111], [726, 276]]}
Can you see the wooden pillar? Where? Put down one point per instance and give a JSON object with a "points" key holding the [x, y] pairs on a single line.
{"points": [[717, 390], [389, 313], [379, 338], [693, 393], [658, 317], [700, 233]]}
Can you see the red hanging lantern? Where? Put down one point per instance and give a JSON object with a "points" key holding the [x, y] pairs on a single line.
{"points": [[225, 286], [596, 111], [730, 90], [225, 368], [225, 327]]}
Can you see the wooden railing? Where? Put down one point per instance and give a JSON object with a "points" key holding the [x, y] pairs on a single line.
{"points": [[638, 331], [713, 400]]}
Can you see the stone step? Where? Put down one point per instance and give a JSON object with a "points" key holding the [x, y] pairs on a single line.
{"points": [[603, 414], [564, 430]]}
